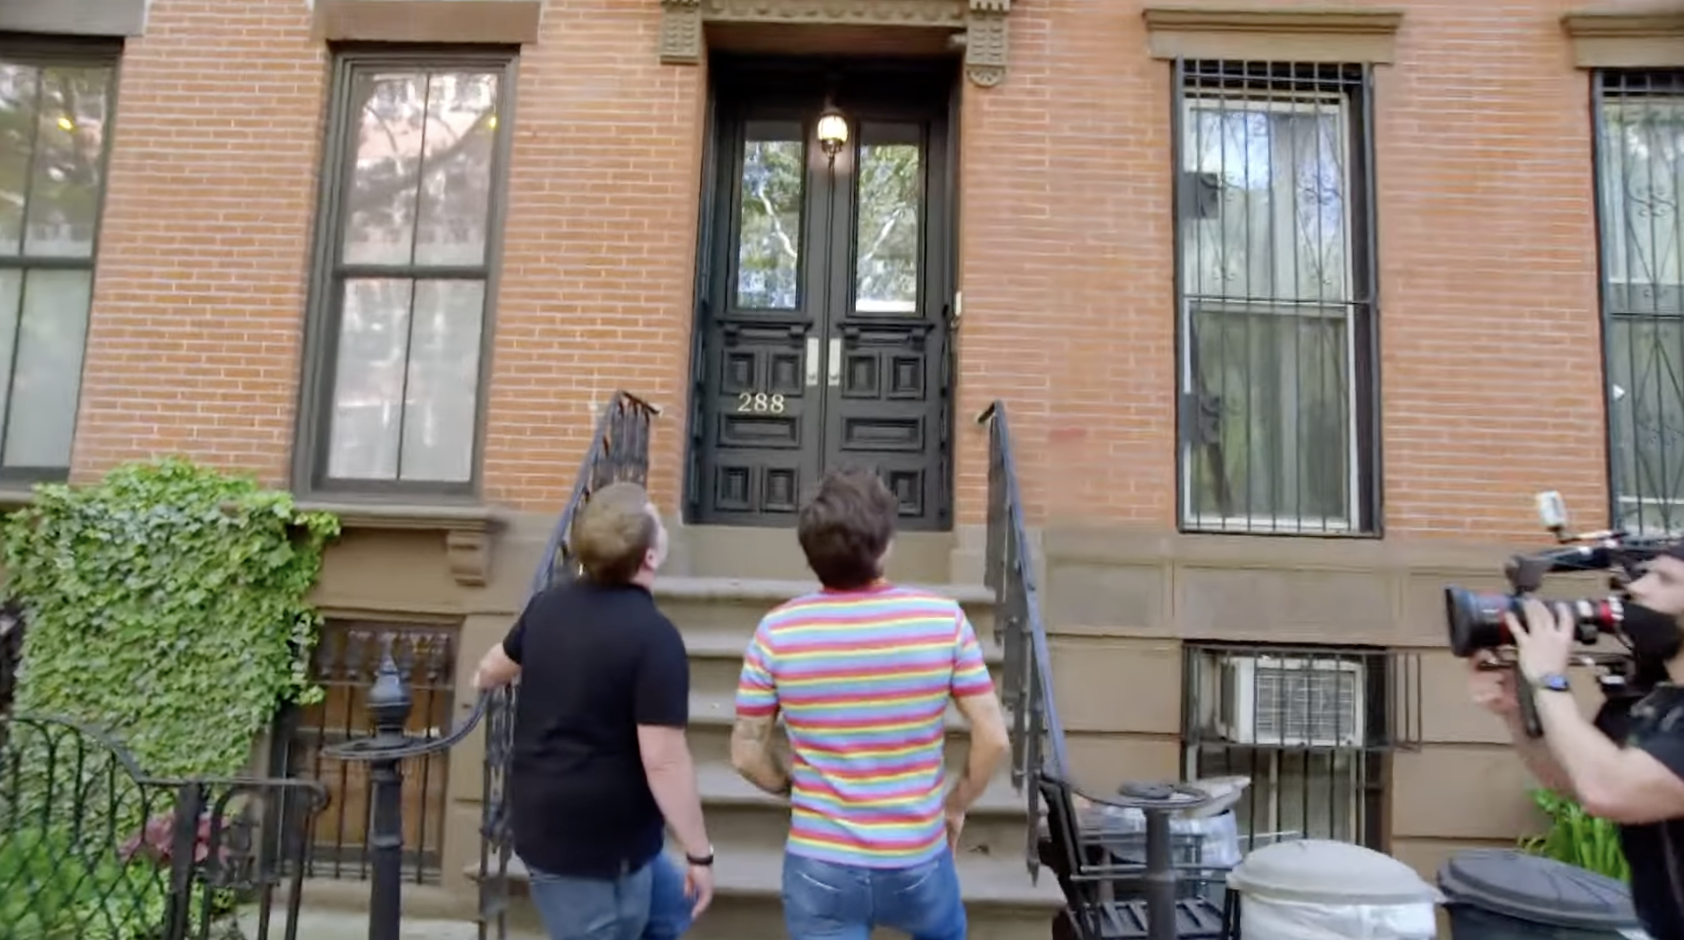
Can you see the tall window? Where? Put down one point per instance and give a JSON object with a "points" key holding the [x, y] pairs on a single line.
{"points": [[1277, 292], [406, 259], [1640, 169], [55, 123]]}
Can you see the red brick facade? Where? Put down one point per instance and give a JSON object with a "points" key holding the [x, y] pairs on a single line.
{"points": [[1489, 339]]}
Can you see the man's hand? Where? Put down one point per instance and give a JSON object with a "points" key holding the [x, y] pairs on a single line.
{"points": [[698, 887], [955, 822], [1545, 642], [1491, 686]]}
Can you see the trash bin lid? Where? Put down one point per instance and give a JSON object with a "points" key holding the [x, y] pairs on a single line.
{"points": [[1536, 889], [1319, 871]]}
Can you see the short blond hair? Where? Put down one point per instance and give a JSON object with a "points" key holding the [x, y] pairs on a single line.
{"points": [[613, 532]]}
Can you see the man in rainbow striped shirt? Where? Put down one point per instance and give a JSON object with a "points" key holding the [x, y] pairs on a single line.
{"points": [[862, 672]]}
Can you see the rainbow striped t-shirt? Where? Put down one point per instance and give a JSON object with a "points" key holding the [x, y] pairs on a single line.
{"points": [[863, 679]]}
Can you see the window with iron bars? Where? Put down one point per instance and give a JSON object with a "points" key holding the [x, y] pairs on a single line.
{"points": [[1309, 726], [1276, 294], [1639, 120]]}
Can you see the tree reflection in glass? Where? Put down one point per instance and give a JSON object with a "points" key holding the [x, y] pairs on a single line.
{"points": [[53, 119], [413, 268], [769, 219], [890, 199]]}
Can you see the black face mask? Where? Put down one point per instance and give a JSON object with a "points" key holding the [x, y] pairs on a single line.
{"points": [[1654, 636]]}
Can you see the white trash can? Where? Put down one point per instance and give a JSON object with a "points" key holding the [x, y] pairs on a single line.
{"points": [[1312, 889]]}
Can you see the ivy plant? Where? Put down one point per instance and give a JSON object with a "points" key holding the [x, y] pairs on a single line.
{"points": [[1577, 838], [167, 604]]}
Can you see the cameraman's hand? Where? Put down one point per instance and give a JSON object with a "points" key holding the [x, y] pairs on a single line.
{"points": [[1545, 642], [1491, 686]]}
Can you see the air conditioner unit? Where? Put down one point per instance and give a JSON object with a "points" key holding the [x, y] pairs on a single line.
{"points": [[1291, 702]]}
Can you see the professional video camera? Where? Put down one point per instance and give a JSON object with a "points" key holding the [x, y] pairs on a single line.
{"points": [[1476, 622]]}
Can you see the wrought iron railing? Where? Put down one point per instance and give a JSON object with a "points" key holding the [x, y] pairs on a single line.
{"points": [[346, 662], [619, 452], [91, 846], [11, 653], [1310, 726], [1026, 686]]}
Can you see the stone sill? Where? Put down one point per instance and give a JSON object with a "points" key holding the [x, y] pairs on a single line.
{"points": [[468, 528]]}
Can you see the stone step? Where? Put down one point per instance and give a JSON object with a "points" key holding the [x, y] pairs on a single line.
{"points": [[728, 551], [707, 603], [1002, 902], [996, 826], [716, 657], [713, 714]]}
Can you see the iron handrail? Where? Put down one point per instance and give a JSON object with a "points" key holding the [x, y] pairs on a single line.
{"points": [[619, 451], [1037, 733]]}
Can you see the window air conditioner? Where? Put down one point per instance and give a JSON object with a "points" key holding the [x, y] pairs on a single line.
{"points": [[1274, 701]]}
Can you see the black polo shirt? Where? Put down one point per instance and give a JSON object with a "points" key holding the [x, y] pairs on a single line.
{"points": [[596, 662], [1655, 851]]}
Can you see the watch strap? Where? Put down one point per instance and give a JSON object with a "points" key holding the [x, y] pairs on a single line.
{"points": [[700, 861], [1554, 682]]}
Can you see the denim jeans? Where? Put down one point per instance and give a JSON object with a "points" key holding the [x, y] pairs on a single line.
{"points": [[646, 904], [825, 901]]}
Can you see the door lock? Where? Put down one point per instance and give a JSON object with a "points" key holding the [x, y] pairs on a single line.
{"points": [[833, 365], [812, 364]]}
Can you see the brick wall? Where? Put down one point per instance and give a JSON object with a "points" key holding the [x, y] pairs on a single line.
{"points": [[1489, 327]]}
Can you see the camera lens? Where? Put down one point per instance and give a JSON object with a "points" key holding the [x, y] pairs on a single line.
{"points": [[1476, 620]]}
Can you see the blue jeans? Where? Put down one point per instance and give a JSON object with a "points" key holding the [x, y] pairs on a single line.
{"points": [[646, 904], [824, 901]]}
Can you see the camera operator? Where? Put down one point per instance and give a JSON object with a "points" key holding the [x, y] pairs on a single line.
{"points": [[1632, 776]]}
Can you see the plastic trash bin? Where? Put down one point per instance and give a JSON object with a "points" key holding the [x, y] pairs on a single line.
{"points": [[1312, 889], [1501, 894]]}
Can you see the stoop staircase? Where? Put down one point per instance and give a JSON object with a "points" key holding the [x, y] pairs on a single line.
{"points": [[718, 583]]}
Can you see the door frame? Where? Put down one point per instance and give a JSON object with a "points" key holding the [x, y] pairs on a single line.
{"points": [[802, 78]]}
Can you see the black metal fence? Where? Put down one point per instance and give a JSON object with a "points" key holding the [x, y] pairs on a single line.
{"points": [[347, 661], [11, 653], [1311, 728], [93, 848]]}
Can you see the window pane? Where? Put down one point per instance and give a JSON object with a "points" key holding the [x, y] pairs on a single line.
{"points": [[63, 202], [441, 399], [891, 203], [11, 305], [19, 88], [421, 170], [369, 373], [769, 218], [47, 378], [1266, 214], [1273, 388]]}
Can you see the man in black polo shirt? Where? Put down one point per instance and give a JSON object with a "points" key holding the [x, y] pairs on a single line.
{"points": [[600, 758], [1625, 768]]}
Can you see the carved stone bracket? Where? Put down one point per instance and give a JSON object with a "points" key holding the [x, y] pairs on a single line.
{"points": [[978, 25], [468, 530]]}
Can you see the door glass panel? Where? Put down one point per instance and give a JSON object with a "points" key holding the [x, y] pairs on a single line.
{"points": [[769, 215], [891, 204]]}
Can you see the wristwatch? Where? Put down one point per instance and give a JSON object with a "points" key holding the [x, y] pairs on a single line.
{"points": [[700, 861], [1554, 682]]}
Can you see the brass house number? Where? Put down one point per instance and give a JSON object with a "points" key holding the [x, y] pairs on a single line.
{"points": [[759, 403]]}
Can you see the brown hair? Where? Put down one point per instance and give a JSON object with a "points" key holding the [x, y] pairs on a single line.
{"points": [[613, 532], [846, 528]]}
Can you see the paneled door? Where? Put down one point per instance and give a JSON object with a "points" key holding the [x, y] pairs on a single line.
{"points": [[825, 326]]}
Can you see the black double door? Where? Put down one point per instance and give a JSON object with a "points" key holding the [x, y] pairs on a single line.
{"points": [[825, 328]]}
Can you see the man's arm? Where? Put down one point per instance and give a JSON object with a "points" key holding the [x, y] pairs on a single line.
{"points": [[1631, 785], [973, 693], [661, 706], [501, 663], [757, 715], [1535, 754]]}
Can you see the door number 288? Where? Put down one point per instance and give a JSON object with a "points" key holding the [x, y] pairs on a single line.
{"points": [[759, 403]]}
